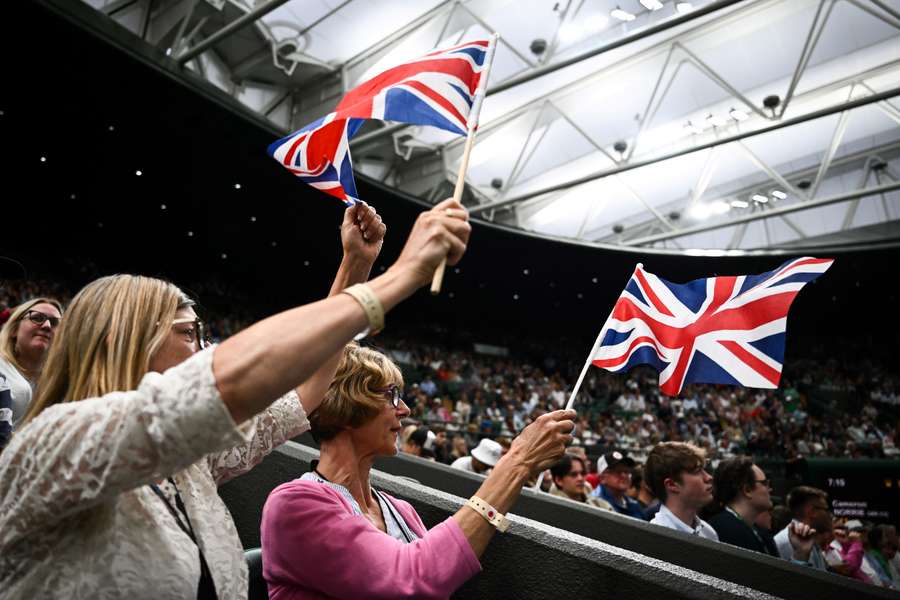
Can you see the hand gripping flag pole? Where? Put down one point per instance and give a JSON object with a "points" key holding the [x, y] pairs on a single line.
{"points": [[470, 139]]}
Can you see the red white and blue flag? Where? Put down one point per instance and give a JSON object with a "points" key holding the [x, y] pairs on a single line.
{"points": [[442, 89], [727, 329]]}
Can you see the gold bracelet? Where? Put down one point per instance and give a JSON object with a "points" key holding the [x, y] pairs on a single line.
{"points": [[489, 513], [370, 304]]}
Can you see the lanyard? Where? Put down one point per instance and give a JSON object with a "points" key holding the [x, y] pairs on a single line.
{"points": [[206, 587], [752, 529]]}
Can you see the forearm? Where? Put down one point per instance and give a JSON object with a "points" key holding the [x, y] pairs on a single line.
{"points": [[500, 490], [263, 362], [311, 391]]}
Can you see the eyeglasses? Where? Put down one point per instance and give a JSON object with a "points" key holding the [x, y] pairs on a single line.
{"points": [[765, 482], [393, 395], [39, 318], [197, 333]]}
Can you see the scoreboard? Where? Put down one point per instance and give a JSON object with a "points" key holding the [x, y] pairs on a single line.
{"points": [[866, 489]]}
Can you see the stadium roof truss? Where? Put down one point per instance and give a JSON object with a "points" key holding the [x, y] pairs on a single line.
{"points": [[723, 125]]}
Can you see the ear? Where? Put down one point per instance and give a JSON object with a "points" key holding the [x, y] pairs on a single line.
{"points": [[672, 486]]}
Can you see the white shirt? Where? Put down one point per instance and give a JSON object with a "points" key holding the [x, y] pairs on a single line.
{"points": [[464, 463], [667, 518], [77, 516], [20, 389]]}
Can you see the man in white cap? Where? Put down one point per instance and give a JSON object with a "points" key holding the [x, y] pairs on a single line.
{"points": [[615, 469], [482, 459]]}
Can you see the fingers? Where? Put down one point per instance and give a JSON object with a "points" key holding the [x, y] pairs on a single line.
{"points": [[369, 222]]}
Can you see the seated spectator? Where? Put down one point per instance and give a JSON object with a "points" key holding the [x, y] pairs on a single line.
{"points": [[742, 491], [882, 550], [846, 553], [614, 470], [640, 492], [420, 442], [677, 475], [329, 534], [482, 458], [25, 340], [459, 448], [568, 482], [806, 504]]}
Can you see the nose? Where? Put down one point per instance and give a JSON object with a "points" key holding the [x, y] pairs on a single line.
{"points": [[402, 409]]}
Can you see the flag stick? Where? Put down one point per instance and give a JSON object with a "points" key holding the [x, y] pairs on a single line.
{"points": [[577, 387], [438, 278]]}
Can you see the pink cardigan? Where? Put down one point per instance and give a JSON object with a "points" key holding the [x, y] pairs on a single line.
{"points": [[313, 546]]}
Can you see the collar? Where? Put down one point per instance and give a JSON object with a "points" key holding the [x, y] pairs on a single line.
{"points": [[679, 524]]}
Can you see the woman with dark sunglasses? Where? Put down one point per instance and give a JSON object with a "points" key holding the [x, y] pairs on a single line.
{"points": [[24, 342], [109, 487], [329, 534]]}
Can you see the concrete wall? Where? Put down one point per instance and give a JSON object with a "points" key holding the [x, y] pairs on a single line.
{"points": [[537, 558]]}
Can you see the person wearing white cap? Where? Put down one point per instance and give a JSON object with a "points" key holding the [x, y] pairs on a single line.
{"points": [[483, 458]]}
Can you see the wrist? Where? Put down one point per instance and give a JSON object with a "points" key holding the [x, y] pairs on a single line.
{"points": [[356, 267], [515, 462]]}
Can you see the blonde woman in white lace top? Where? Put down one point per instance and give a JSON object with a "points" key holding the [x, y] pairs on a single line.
{"points": [[128, 411]]}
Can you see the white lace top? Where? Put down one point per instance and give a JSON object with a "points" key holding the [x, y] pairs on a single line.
{"points": [[77, 516]]}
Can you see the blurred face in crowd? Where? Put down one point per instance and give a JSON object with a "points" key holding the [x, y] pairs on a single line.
{"points": [[36, 330], [814, 509], [617, 479], [573, 483], [890, 544], [182, 343], [759, 494]]}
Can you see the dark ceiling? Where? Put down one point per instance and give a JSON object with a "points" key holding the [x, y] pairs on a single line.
{"points": [[98, 115]]}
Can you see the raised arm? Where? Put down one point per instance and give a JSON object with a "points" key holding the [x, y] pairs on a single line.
{"points": [[273, 356], [362, 234]]}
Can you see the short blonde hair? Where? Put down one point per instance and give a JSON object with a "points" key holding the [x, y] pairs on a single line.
{"points": [[112, 329], [9, 330], [356, 395]]}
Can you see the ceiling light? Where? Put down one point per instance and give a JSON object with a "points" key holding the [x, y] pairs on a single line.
{"points": [[162, 207], [759, 198], [652, 4], [719, 207], [739, 204], [622, 15], [253, 219], [683, 7], [691, 128], [738, 115], [715, 120], [190, 234], [778, 195], [237, 186], [525, 271], [138, 173], [515, 296], [43, 159], [224, 255]]}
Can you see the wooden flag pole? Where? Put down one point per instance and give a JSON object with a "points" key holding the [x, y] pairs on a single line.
{"points": [[578, 383], [438, 278]]}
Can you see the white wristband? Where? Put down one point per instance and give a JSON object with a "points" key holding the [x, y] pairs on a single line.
{"points": [[489, 513], [370, 303]]}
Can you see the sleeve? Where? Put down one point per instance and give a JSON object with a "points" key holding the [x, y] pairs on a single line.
{"points": [[284, 419], [310, 541], [852, 554], [75, 455]]}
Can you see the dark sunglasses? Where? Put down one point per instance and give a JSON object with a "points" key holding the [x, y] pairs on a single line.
{"points": [[39, 318]]}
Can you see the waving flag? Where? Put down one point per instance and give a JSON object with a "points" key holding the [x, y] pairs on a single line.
{"points": [[728, 329], [442, 89]]}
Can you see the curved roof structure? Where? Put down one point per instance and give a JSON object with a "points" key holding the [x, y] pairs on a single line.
{"points": [[707, 126]]}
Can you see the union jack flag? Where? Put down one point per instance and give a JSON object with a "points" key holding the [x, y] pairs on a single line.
{"points": [[442, 89], [727, 329]]}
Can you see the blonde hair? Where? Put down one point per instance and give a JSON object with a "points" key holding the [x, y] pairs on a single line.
{"points": [[356, 394], [9, 331], [112, 329]]}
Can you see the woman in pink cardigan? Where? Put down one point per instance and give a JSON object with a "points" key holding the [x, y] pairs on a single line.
{"points": [[330, 535]]}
